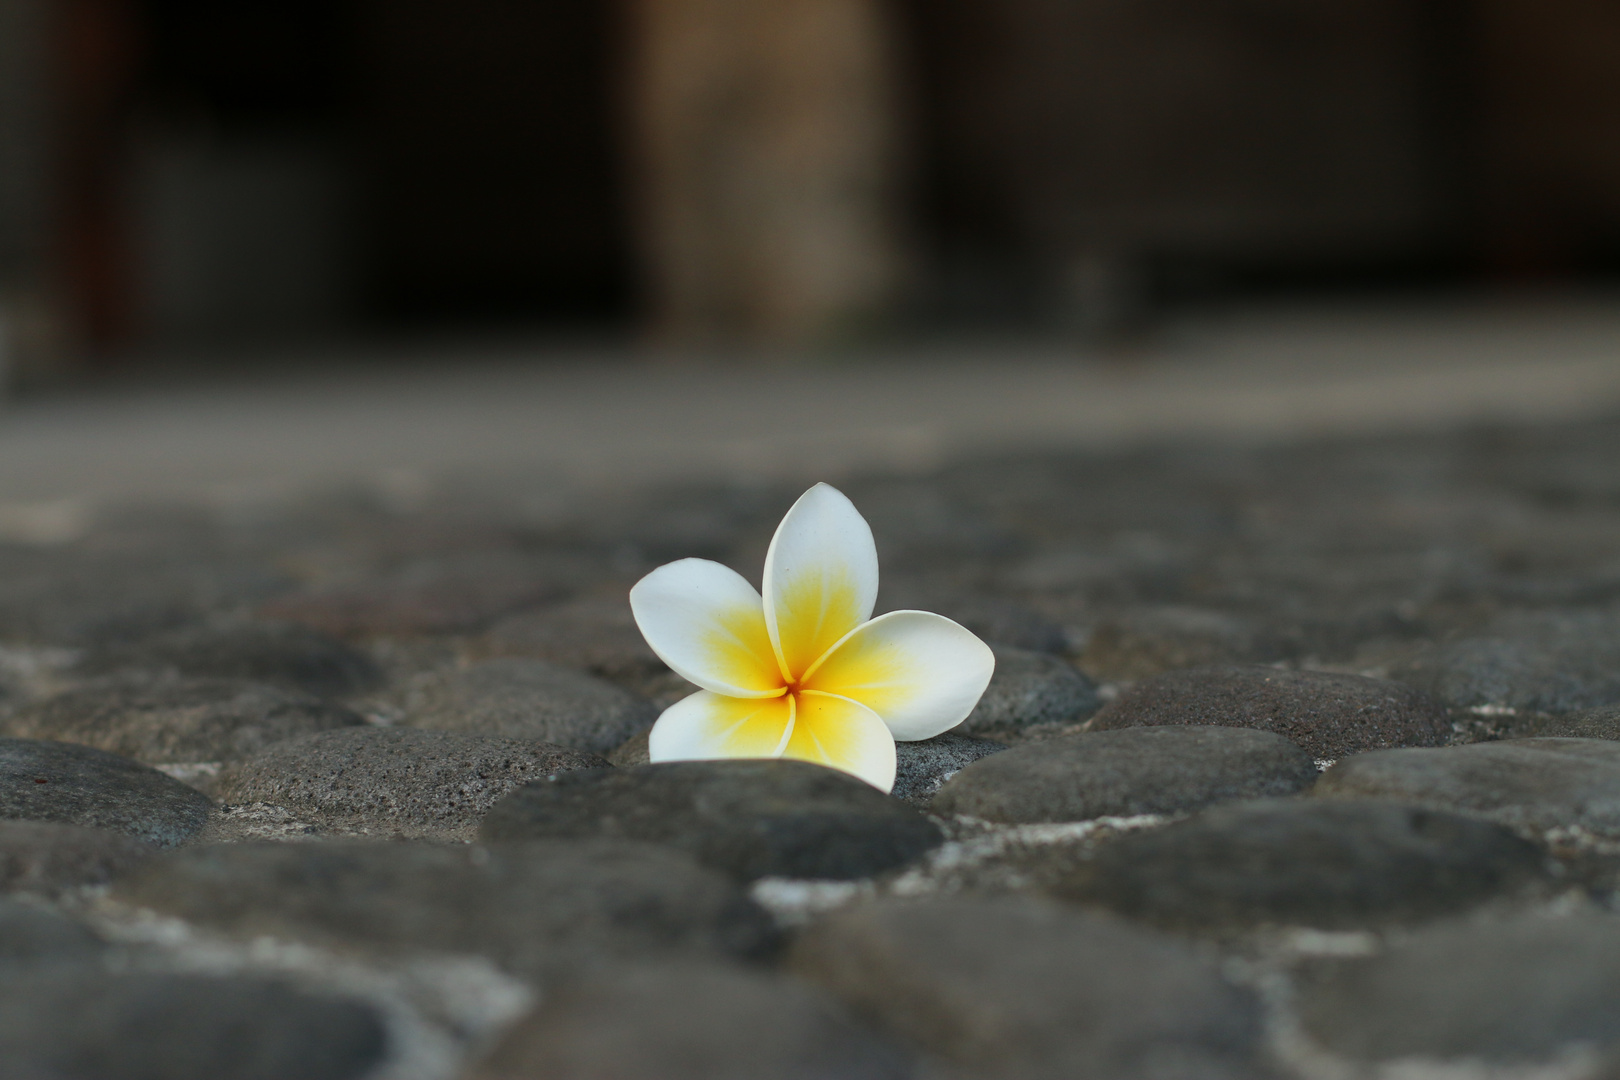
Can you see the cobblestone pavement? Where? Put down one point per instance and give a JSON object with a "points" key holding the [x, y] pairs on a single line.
{"points": [[1302, 760]]}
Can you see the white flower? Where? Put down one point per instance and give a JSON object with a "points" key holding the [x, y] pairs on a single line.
{"points": [[805, 671]]}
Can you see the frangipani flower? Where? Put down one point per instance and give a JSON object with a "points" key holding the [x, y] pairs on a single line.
{"points": [[804, 671]]}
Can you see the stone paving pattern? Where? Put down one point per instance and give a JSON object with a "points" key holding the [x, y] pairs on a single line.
{"points": [[1300, 763]]}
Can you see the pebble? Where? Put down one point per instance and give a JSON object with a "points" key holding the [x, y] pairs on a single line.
{"points": [[921, 767], [749, 818], [1600, 723], [1504, 993], [177, 721], [1540, 783], [1142, 642], [1030, 689], [1305, 862], [47, 858], [395, 781], [594, 634], [1327, 714], [691, 1021], [79, 785], [284, 654], [35, 937], [1018, 988], [1548, 662], [535, 907], [91, 1025], [1162, 770], [532, 700]]}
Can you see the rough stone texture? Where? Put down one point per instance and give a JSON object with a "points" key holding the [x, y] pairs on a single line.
{"points": [[1538, 783], [43, 857], [1120, 773], [394, 781], [283, 654], [1140, 643], [97, 1026], [177, 721], [1543, 661], [1329, 715], [1601, 723], [1330, 865], [1030, 689], [922, 766], [78, 785], [595, 634], [1018, 988], [690, 1022], [34, 937], [749, 818], [1506, 992], [529, 699], [531, 907]]}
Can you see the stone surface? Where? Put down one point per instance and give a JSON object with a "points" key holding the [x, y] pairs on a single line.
{"points": [[1329, 715], [34, 937], [45, 857], [749, 818], [98, 1026], [1505, 992], [1316, 863], [177, 721], [529, 699], [922, 766], [1600, 723], [283, 654], [530, 907], [1122, 773], [1142, 642], [1544, 661], [1018, 988], [594, 634], [690, 1022], [1536, 783], [396, 781], [78, 785], [1030, 689]]}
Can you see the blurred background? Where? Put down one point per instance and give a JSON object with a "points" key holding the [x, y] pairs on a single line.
{"points": [[180, 177]]}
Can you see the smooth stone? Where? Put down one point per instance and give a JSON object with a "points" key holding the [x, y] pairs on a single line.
{"points": [[1539, 783], [177, 721], [1164, 770], [79, 785], [44, 857], [1139, 643], [594, 634], [921, 767], [530, 907], [91, 1025], [1328, 714], [33, 937], [690, 1021], [1521, 991], [396, 781], [529, 699], [1030, 689], [283, 654], [748, 818], [1027, 989], [1547, 661], [1304, 862]]}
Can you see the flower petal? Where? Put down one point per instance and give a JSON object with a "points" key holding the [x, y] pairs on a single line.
{"points": [[708, 624], [821, 577], [709, 725], [843, 734], [921, 672]]}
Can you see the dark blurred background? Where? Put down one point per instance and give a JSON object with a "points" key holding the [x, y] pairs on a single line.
{"points": [[177, 174]]}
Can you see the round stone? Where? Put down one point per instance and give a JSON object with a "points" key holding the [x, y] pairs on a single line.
{"points": [[1030, 689], [283, 654], [750, 818], [1122, 773], [1329, 715], [36, 937], [1139, 643], [396, 781], [1305, 862], [1548, 662], [921, 767], [532, 700], [45, 857], [532, 908], [78, 785], [594, 634]]}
